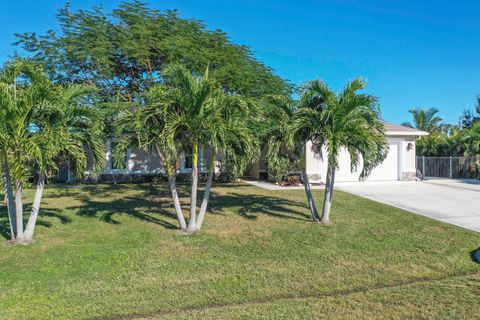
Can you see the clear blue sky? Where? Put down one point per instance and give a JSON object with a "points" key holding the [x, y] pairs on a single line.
{"points": [[421, 53]]}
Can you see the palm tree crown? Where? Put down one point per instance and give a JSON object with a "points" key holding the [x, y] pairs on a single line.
{"points": [[424, 119]]}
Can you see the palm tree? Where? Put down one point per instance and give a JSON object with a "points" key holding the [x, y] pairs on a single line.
{"points": [[141, 126], [471, 140], [6, 100], [199, 113], [18, 99], [179, 116], [424, 119], [227, 131], [44, 121], [345, 121], [8, 191], [69, 126], [293, 135], [190, 108]]}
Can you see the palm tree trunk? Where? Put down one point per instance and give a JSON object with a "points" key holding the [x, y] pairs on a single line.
{"points": [[192, 227], [206, 193], [327, 203], [32, 220], [308, 190], [19, 207], [10, 200], [171, 175], [176, 201]]}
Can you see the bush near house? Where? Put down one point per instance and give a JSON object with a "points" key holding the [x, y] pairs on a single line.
{"points": [[279, 168]]}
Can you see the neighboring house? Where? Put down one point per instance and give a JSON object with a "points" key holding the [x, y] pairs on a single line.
{"points": [[400, 163]]}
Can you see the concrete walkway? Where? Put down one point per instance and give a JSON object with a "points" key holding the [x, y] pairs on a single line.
{"points": [[470, 184], [452, 201], [273, 187]]}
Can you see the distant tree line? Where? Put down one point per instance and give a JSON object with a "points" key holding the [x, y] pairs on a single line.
{"points": [[461, 139]]}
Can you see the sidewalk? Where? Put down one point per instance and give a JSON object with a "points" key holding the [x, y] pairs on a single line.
{"points": [[469, 184]]}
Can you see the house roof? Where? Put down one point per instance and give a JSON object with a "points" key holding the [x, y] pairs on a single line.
{"points": [[396, 130]]}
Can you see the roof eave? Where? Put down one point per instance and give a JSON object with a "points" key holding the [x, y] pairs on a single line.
{"points": [[404, 133]]}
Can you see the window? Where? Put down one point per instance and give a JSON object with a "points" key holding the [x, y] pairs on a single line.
{"points": [[187, 164]]}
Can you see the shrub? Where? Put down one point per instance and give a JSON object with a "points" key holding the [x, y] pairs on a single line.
{"points": [[279, 168]]}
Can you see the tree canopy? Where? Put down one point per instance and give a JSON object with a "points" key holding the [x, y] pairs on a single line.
{"points": [[123, 52]]}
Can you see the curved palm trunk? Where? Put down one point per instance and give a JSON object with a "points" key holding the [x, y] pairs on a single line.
{"points": [[173, 187], [308, 190], [192, 226], [176, 201], [32, 220], [10, 200], [327, 203], [19, 207], [206, 193]]}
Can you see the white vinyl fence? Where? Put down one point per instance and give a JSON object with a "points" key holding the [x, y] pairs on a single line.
{"points": [[449, 167]]}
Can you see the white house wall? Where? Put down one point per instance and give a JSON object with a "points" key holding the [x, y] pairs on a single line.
{"points": [[399, 164], [315, 167], [409, 156], [141, 162]]}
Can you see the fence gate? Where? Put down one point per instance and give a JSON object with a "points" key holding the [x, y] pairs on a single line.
{"points": [[449, 167]]}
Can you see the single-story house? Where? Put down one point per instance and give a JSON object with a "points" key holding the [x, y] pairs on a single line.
{"points": [[400, 163]]}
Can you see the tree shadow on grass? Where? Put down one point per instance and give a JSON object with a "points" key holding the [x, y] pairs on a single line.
{"points": [[113, 190], [250, 206], [152, 203], [44, 213], [139, 208]]}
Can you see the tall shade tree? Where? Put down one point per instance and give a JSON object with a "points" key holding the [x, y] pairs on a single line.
{"points": [[45, 121], [122, 52], [424, 119], [345, 121]]}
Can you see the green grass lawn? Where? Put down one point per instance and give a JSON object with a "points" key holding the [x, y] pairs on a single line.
{"points": [[113, 252]]}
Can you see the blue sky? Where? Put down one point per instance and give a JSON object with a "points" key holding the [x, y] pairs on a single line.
{"points": [[412, 53]]}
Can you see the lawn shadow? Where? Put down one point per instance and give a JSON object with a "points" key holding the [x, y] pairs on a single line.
{"points": [[137, 207], [249, 206], [151, 202], [44, 213]]}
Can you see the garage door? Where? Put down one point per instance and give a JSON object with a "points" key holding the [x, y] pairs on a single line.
{"points": [[388, 170]]}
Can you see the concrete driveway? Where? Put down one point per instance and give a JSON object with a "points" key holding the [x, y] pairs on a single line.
{"points": [[452, 201]]}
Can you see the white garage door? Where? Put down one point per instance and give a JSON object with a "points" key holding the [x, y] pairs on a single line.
{"points": [[388, 170]]}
